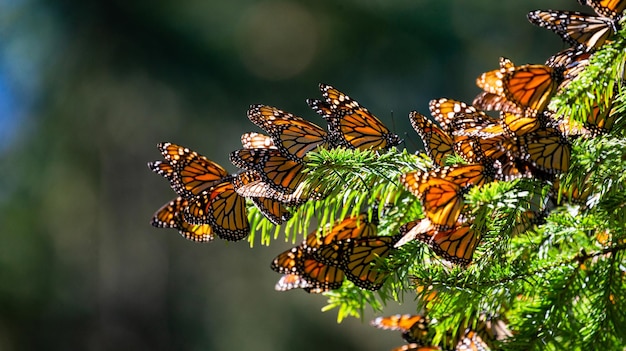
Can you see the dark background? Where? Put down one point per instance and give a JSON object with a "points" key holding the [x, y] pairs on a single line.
{"points": [[87, 89]]}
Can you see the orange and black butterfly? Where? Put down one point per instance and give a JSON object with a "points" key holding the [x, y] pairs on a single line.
{"points": [[571, 62], [457, 118], [606, 8], [275, 169], [170, 215], [442, 200], [292, 135], [546, 149], [441, 191], [359, 260], [351, 125], [188, 172], [529, 87], [414, 327], [437, 143], [476, 137], [456, 245], [319, 276], [208, 189], [581, 31], [273, 208], [331, 244]]}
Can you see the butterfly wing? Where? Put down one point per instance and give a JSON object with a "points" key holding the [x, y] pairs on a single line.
{"points": [[437, 143], [582, 31], [352, 125], [529, 87], [190, 173], [319, 276], [273, 209], [361, 254], [223, 209], [254, 140], [547, 150], [607, 8], [170, 215], [292, 135], [456, 245], [279, 171]]}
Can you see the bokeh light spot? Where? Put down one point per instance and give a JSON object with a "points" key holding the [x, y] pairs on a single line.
{"points": [[277, 40]]}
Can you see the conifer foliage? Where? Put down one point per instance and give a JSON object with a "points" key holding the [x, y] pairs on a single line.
{"points": [[510, 226]]}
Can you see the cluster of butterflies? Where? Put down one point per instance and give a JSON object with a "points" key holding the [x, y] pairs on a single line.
{"points": [[415, 331], [212, 202], [347, 250], [527, 140]]}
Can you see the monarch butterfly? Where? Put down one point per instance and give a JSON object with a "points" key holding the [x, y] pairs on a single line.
{"points": [[464, 175], [350, 124], [292, 135], [170, 215], [357, 263], [519, 125], [254, 140], [437, 143], [456, 245], [476, 136], [291, 281], [545, 149], [277, 170], [445, 111], [441, 191], [583, 32], [329, 245], [188, 172], [223, 209], [260, 188], [571, 61], [442, 200], [493, 102], [274, 210], [529, 87], [607, 8], [211, 198], [414, 328], [321, 277]]}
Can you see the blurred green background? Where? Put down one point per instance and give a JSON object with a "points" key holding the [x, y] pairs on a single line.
{"points": [[87, 89]]}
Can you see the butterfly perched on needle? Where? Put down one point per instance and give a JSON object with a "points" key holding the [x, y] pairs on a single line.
{"points": [[317, 276], [292, 135], [275, 169], [475, 136], [581, 31], [456, 245], [348, 249], [351, 125], [437, 143], [441, 191], [208, 190], [529, 87]]}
